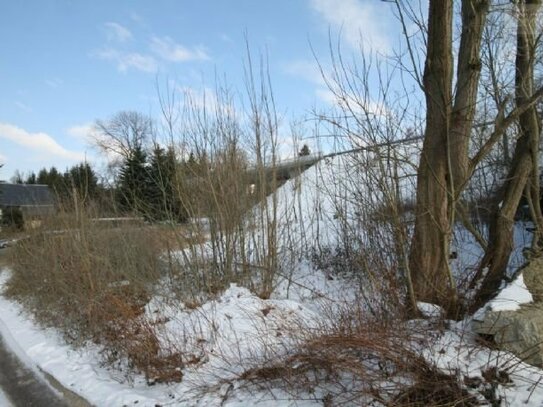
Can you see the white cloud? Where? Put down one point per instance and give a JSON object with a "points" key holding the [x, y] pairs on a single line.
{"points": [[361, 106], [308, 70], [327, 96], [226, 38], [205, 98], [362, 22], [82, 131], [117, 32], [126, 60], [136, 17], [40, 142], [210, 100], [169, 50], [54, 82]]}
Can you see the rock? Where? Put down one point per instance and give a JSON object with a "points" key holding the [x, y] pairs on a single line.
{"points": [[533, 278], [520, 331]]}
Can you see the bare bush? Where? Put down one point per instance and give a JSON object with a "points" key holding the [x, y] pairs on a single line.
{"points": [[357, 361], [91, 281]]}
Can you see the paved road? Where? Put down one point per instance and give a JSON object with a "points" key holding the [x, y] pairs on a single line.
{"points": [[26, 388], [22, 386]]}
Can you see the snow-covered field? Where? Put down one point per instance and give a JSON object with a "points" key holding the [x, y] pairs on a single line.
{"points": [[237, 331]]}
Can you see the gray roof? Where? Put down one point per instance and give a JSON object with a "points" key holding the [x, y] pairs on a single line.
{"points": [[25, 195]]}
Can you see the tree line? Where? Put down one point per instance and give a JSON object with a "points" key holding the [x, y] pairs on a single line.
{"points": [[80, 178], [148, 184]]}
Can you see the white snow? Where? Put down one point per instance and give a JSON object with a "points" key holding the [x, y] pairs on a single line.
{"points": [[4, 401], [238, 330], [512, 296], [456, 352], [430, 310], [231, 332]]}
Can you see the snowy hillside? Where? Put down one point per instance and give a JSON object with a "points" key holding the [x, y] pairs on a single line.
{"points": [[229, 341]]}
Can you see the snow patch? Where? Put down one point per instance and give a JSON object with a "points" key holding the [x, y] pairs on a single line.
{"points": [[4, 401], [430, 310], [512, 296]]}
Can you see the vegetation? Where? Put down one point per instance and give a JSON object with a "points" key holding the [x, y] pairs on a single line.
{"points": [[80, 179], [12, 218], [445, 172], [91, 282], [207, 190], [304, 151]]}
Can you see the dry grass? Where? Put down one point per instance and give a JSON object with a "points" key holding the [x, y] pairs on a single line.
{"points": [[92, 282], [362, 363]]}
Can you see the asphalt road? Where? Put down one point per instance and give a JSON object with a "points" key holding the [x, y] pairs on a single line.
{"points": [[22, 386]]}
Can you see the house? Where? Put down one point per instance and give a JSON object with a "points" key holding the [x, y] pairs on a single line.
{"points": [[31, 203]]}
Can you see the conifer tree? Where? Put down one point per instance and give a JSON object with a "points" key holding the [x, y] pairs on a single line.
{"points": [[83, 180], [162, 189], [305, 151], [31, 178], [132, 193]]}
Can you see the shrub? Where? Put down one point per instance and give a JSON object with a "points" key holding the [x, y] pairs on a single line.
{"points": [[13, 218], [92, 282], [355, 362]]}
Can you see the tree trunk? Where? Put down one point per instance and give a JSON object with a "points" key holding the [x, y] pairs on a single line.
{"points": [[444, 167], [474, 13], [429, 254], [524, 167]]}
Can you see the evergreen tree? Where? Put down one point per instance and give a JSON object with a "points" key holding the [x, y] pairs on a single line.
{"points": [[31, 178], [158, 184], [54, 179], [304, 151], [43, 177], [132, 192], [177, 208], [191, 163], [164, 201], [83, 180], [57, 181]]}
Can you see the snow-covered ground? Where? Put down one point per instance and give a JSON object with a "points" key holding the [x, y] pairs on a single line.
{"points": [[238, 330], [233, 331], [4, 401], [512, 296]]}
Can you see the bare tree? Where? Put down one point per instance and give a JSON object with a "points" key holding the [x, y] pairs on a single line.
{"points": [[123, 133], [523, 176], [444, 164], [447, 164]]}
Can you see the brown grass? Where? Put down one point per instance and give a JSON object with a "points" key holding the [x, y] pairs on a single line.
{"points": [[92, 282], [373, 365]]}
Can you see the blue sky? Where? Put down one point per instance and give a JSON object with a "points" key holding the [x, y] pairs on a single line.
{"points": [[66, 63]]}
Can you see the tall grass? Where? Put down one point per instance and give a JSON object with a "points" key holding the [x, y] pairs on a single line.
{"points": [[91, 282]]}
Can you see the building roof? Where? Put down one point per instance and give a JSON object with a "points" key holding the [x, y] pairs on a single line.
{"points": [[25, 195]]}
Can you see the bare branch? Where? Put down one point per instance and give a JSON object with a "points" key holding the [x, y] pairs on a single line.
{"points": [[502, 124]]}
